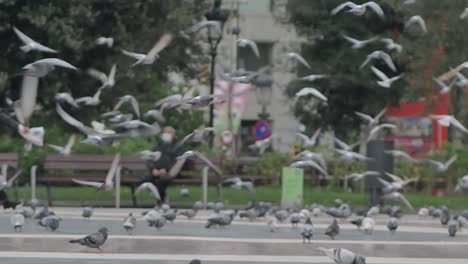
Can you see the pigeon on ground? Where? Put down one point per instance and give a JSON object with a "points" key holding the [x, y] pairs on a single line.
{"points": [[392, 224], [219, 206], [94, 240], [295, 219], [129, 223], [170, 215], [189, 213], [184, 192], [423, 212], [220, 219], [342, 256], [452, 227], [373, 211], [272, 224], [333, 229], [281, 215], [368, 225], [445, 216], [51, 222], [307, 231], [155, 218], [17, 220], [357, 222], [249, 214], [87, 212]]}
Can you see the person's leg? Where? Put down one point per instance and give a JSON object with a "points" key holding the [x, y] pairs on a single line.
{"points": [[7, 203], [147, 178], [162, 185]]}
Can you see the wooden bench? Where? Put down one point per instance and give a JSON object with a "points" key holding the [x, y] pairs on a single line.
{"points": [[60, 170], [9, 158]]}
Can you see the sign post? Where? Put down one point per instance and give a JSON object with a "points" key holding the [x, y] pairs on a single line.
{"points": [[292, 183], [262, 130]]}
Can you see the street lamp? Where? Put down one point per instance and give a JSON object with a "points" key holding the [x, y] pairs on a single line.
{"points": [[263, 92], [214, 38]]}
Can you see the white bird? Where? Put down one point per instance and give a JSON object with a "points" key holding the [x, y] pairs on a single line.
{"points": [[401, 154], [67, 98], [129, 223], [368, 224], [309, 163], [462, 184], [398, 197], [342, 256], [101, 128], [357, 44], [444, 89], [197, 135], [373, 211], [198, 155], [150, 155], [30, 44], [377, 128], [385, 82], [311, 91], [108, 184], [65, 150], [150, 187], [314, 77], [153, 54], [447, 120], [6, 183], [359, 176], [423, 212], [309, 155], [371, 121], [17, 220], [443, 166], [42, 67], [359, 10], [382, 55], [90, 100], [464, 14], [345, 146], [272, 224], [309, 141], [238, 183], [109, 42], [392, 45], [399, 183], [416, 20], [107, 81], [137, 124], [247, 42], [128, 99], [298, 58], [350, 155], [262, 145]]}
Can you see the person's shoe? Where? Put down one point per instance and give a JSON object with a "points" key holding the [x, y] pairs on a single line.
{"points": [[10, 204]]}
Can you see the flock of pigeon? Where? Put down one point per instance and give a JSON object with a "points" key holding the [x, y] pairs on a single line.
{"points": [[159, 216]]}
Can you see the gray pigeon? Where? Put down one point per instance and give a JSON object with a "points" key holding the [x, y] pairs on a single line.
{"points": [[170, 215], [198, 205], [452, 227], [249, 214], [51, 222], [307, 231], [219, 206], [220, 219], [465, 214], [295, 219], [357, 221], [342, 256], [129, 223], [272, 224], [189, 213], [43, 212], [17, 220], [392, 225], [281, 215], [210, 205], [87, 212], [333, 229], [155, 218], [445, 216], [94, 240], [184, 192]]}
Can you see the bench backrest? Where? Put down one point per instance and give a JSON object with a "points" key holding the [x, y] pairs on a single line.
{"points": [[9, 158], [85, 162]]}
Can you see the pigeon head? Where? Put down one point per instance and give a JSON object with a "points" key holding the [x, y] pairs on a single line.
{"points": [[359, 260], [308, 221], [103, 230]]}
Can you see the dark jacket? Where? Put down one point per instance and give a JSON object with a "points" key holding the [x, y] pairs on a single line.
{"points": [[8, 122], [169, 153]]}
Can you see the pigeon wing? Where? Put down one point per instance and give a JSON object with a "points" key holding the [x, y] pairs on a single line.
{"points": [[162, 43]]}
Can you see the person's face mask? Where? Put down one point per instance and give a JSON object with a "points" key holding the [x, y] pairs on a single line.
{"points": [[166, 137]]}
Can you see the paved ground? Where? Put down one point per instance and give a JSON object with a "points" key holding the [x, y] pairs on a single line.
{"points": [[417, 241]]}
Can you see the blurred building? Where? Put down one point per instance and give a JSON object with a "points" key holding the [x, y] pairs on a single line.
{"points": [[260, 21]]}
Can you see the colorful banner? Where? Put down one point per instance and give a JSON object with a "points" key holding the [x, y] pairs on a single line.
{"points": [[292, 183], [239, 99]]}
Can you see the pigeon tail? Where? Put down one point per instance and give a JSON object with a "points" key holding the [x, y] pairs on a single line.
{"points": [[75, 241]]}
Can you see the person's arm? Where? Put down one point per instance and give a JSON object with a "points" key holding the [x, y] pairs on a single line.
{"points": [[9, 122]]}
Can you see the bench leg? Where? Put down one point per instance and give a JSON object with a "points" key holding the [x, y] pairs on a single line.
{"points": [[49, 194], [132, 191]]}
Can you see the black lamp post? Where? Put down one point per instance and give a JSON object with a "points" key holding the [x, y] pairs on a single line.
{"points": [[263, 92], [214, 38]]}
